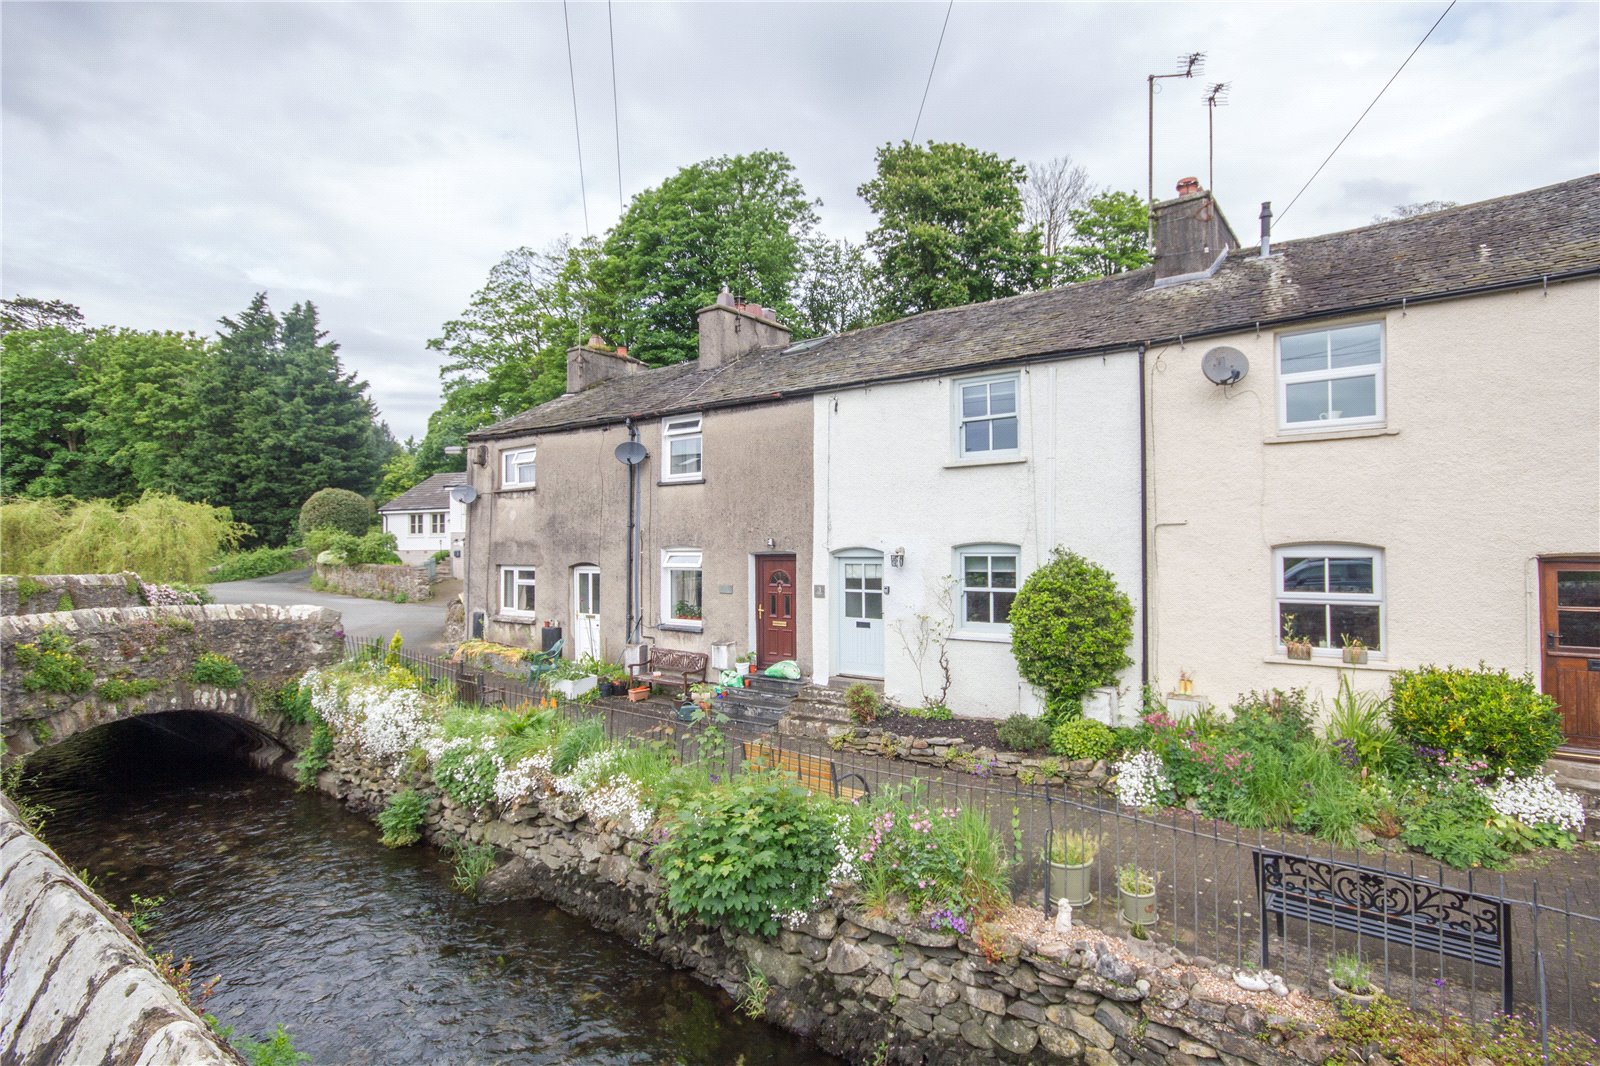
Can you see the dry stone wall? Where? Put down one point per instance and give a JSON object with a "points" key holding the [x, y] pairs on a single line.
{"points": [[378, 581], [867, 988], [75, 986], [55, 592]]}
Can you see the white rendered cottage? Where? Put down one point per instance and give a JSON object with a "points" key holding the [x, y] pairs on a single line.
{"points": [[425, 520]]}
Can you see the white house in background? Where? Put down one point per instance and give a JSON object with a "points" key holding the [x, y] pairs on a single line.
{"points": [[425, 521], [935, 497]]}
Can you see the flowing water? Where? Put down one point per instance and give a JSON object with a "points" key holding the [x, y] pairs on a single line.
{"points": [[365, 954]]}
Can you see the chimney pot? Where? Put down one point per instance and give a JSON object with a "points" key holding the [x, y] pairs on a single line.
{"points": [[1188, 186], [622, 350], [596, 341]]}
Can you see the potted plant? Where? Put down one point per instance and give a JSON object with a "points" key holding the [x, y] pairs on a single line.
{"points": [[747, 663], [1350, 978], [1355, 652], [1071, 857], [1185, 683], [1136, 890], [1296, 646]]}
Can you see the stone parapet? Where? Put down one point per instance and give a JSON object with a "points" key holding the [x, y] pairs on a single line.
{"points": [[48, 593]]}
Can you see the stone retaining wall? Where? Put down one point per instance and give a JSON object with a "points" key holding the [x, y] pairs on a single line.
{"points": [[872, 989], [952, 753], [378, 581], [45, 592], [75, 985]]}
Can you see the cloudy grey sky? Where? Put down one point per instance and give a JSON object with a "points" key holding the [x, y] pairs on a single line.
{"points": [[162, 162]]}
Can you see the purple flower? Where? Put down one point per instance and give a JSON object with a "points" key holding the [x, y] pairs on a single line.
{"points": [[1345, 749]]}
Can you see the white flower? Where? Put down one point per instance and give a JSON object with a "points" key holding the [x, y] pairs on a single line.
{"points": [[1141, 779], [1536, 800]]}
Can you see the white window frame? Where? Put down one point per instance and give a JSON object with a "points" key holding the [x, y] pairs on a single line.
{"points": [[959, 419], [1377, 371], [677, 430], [1378, 596], [672, 561], [962, 553], [414, 525], [511, 579], [436, 523], [510, 464]]}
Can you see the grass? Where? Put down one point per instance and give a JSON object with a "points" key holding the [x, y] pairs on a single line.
{"points": [[580, 739], [472, 863]]}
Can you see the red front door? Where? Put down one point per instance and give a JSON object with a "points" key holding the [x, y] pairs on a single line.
{"points": [[1569, 613], [775, 595]]}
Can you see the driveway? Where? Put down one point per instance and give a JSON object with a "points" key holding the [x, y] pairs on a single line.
{"points": [[421, 624]]}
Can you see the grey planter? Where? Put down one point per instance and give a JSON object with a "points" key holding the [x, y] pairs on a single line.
{"points": [[1072, 882]]}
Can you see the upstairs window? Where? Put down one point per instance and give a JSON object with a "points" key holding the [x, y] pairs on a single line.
{"points": [[681, 600], [516, 470], [1332, 377], [986, 417], [988, 586], [416, 525], [1329, 593], [681, 442], [436, 523], [516, 590]]}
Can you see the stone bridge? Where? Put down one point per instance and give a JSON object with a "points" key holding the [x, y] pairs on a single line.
{"points": [[67, 671]]}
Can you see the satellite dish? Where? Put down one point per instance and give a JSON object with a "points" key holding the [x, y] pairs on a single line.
{"points": [[463, 493], [631, 452], [1224, 365]]}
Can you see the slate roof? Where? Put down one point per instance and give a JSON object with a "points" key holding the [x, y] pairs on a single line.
{"points": [[430, 494], [1552, 232]]}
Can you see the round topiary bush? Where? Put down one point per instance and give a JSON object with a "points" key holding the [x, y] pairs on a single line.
{"points": [[1478, 715], [341, 509], [1082, 738], [1070, 629]]}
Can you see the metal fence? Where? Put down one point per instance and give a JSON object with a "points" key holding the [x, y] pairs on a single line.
{"points": [[1207, 896]]}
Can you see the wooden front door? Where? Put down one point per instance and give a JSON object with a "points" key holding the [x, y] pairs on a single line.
{"points": [[775, 596], [1569, 616]]}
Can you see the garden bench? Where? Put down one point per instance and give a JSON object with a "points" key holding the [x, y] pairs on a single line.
{"points": [[1386, 906], [814, 772], [689, 665]]}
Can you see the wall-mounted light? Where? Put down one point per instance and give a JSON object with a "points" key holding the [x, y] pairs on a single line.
{"points": [[898, 557], [771, 543]]}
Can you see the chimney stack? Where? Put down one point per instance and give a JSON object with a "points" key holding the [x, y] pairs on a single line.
{"points": [[732, 328], [1192, 237], [590, 364]]}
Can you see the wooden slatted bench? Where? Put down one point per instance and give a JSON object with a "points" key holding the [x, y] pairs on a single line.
{"points": [[813, 771], [665, 663]]}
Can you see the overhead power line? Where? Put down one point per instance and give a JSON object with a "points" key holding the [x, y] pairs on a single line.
{"points": [[572, 80], [1370, 106], [931, 68], [616, 122]]}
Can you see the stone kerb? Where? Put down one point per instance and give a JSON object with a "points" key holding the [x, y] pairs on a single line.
{"points": [[855, 983], [142, 660], [380, 581], [75, 986], [41, 594]]}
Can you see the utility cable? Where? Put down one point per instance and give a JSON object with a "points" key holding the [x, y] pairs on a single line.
{"points": [[931, 68], [1370, 106], [616, 122], [572, 80]]}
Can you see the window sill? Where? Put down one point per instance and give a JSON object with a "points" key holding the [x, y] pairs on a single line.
{"points": [[1354, 432], [981, 638], [664, 483], [681, 627], [517, 619], [511, 490], [1333, 662], [1001, 460]]}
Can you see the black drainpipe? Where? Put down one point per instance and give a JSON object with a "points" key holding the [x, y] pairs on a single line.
{"points": [[1144, 540], [632, 634]]}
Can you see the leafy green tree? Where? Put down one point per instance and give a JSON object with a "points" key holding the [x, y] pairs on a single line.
{"points": [[1110, 235], [738, 220], [950, 227], [837, 289], [141, 404], [46, 382], [29, 313], [340, 509]]}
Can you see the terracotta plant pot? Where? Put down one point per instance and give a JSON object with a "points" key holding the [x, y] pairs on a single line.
{"points": [[640, 694]]}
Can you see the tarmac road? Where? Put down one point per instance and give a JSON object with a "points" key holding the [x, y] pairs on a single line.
{"points": [[421, 624]]}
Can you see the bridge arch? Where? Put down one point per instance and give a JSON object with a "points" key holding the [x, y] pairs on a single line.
{"points": [[67, 671]]}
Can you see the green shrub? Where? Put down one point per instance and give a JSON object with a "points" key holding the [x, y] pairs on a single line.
{"points": [[862, 702], [341, 509], [401, 819], [1082, 738], [1070, 628], [1023, 732], [1480, 714], [759, 847], [53, 665], [294, 703], [161, 537], [341, 548], [213, 669], [1455, 825], [314, 759], [936, 712], [258, 562]]}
